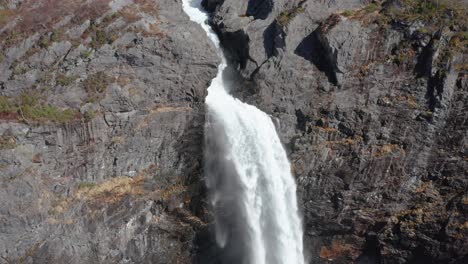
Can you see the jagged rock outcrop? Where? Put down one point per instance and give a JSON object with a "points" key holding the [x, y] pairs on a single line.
{"points": [[370, 99], [101, 130]]}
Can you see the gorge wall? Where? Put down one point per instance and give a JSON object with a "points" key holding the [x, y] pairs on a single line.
{"points": [[370, 97], [102, 114], [101, 129]]}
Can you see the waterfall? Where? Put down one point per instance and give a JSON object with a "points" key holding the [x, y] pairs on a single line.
{"points": [[248, 175]]}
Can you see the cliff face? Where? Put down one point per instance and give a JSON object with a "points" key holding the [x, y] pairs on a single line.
{"points": [[371, 101], [101, 126], [101, 131]]}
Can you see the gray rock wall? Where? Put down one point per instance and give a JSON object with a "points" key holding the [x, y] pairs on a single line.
{"points": [[378, 148], [121, 182]]}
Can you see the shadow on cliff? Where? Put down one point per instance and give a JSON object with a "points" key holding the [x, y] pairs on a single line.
{"points": [[312, 50]]}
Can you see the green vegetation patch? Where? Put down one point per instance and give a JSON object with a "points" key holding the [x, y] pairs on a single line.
{"points": [[30, 107], [86, 185], [89, 115], [99, 36], [372, 8], [348, 13], [286, 16], [6, 105], [48, 113], [47, 39]]}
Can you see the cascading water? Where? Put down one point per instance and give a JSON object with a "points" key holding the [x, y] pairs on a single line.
{"points": [[248, 174]]}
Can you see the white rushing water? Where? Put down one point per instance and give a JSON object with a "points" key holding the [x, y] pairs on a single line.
{"points": [[250, 181]]}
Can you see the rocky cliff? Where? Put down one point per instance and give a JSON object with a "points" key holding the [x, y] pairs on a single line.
{"points": [[371, 99], [101, 131], [101, 125]]}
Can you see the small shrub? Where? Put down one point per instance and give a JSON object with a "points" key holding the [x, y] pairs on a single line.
{"points": [[6, 105], [110, 18], [13, 38], [86, 54], [19, 70], [44, 41], [28, 99], [459, 41], [55, 36], [348, 13], [5, 15], [372, 8], [96, 85], [2, 58], [129, 14], [46, 78], [100, 38], [89, 115], [383, 20], [64, 80], [7, 142], [48, 38]]}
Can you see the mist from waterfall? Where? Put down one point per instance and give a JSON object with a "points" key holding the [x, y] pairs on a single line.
{"points": [[252, 190]]}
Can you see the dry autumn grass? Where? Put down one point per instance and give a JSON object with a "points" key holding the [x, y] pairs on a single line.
{"points": [[338, 250], [112, 191], [386, 150]]}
